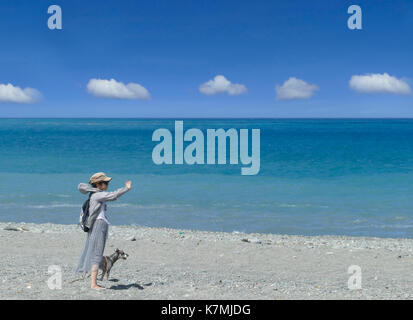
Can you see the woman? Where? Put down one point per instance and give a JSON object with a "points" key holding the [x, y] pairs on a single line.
{"points": [[97, 223]]}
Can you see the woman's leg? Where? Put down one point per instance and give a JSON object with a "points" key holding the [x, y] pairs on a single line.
{"points": [[93, 280]]}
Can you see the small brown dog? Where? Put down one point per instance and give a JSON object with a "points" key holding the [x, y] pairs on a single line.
{"points": [[108, 262]]}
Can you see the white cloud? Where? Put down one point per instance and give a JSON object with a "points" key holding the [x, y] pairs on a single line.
{"points": [[220, 84], [295, 88], [378, 83], [10, 93], [113, 89]]}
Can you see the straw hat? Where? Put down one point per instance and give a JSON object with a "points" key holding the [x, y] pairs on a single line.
{"points": [[99, 177]]}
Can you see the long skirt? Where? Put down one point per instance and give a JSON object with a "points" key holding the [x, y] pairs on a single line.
{"points": [[92, 253]]}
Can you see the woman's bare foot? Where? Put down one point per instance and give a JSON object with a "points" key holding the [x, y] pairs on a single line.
{"points": [[93, 280], [97, 287]]}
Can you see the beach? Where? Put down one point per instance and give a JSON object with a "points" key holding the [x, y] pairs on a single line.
{"points": [[183, 264]]}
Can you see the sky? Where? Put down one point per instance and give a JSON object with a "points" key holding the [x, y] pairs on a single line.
{"points": [[206, 58]]}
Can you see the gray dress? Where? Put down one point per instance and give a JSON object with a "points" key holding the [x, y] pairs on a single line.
{"points": [[92, 253], [94, 247]]}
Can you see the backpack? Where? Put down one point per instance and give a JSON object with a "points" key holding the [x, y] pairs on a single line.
{"points": [[84, 214]]}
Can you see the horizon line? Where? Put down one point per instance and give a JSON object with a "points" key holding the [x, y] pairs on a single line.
{"points": [[211, 118]]}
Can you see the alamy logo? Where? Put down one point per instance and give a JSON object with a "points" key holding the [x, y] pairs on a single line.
{"points": [[55, 281], [216, 144], [55, 20], [354, 21], [354, 281]]}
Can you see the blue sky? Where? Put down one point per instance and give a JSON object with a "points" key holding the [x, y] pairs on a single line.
{"points": [[172, 47]]}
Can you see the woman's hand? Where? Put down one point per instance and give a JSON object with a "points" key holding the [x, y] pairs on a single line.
{"points": [[128, 184]]}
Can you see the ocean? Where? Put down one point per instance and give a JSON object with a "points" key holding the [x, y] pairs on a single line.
{"points": [[317, 176]]}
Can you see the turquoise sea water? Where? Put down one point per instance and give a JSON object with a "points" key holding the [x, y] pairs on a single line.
{"points": [[344, 177]]}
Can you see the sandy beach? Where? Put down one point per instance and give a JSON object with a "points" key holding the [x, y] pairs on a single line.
{"points": [[183, 264]]}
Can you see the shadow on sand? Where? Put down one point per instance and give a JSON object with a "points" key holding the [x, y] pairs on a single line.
{"points": [[128, 286]]}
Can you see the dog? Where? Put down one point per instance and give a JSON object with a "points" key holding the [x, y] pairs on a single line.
{"points": [[108, 262]]}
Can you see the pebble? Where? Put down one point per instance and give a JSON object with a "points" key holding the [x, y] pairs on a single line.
{"points": [[15, 229], [252, 240]]}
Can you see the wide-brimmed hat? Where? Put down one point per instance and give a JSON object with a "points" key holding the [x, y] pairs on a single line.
{"points": [[99, 177]]}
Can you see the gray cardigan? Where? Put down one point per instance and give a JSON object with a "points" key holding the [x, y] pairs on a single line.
{"points": [[98, 198]]}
